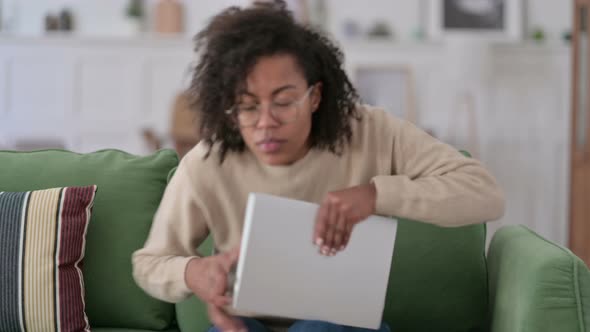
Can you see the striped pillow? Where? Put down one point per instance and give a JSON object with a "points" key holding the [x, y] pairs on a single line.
{"points": [[42, 239]]}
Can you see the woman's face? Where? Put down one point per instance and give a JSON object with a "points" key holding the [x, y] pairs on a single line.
{"points": [[274, 112]]}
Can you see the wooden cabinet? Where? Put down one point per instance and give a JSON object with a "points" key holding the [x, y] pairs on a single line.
{"points": [[580, 134]]}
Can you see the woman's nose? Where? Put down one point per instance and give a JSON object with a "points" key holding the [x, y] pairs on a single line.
{"points": [[266, 118]]}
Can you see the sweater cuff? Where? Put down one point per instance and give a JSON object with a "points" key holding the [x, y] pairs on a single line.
{"points": [[388, 201], [180, 269]]}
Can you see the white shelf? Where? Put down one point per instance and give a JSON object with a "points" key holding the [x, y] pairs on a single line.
{"points": [[375, 45], [381, 44], [146, 40], [549, 48]]}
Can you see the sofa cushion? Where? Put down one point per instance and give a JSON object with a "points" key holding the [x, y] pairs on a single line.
{"points": [[42, 236], [129, 191]]}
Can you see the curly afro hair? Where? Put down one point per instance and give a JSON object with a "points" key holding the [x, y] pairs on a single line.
{"points": [[230, 46]]}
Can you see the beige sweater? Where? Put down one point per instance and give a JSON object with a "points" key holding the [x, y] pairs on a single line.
{"points": [[416, 177]]}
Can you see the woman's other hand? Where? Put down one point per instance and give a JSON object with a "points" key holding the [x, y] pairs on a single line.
{"points": [[339, 212]]}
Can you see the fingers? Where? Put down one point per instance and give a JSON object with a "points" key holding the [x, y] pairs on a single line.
{"points": [[331, 226], [334, 223], [333, 215], [221, 300], [218, 283], [234, 254], [230, 258], [223, 321], [319, 234], [339, 229], [222, 278], [346, 237]]}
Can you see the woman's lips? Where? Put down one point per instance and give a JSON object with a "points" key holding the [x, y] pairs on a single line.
{"points": [[270, 145]]}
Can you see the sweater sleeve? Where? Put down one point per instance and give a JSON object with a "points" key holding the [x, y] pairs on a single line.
{"points": [[179, 226], [432, 182]]}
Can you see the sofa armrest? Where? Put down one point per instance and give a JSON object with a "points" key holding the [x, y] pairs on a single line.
{"points": [[536, 285]]}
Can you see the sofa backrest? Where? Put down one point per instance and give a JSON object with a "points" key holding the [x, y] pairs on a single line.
{"points": [[129, 191], [437, 282], [438, 279]]}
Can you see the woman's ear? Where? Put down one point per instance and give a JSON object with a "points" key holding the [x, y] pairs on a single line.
{"points": [[316, 96]]}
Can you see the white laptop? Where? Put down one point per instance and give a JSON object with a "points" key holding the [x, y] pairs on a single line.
{"points": [[280, 273]]}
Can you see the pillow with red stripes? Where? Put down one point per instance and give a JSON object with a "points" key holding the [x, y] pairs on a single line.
{"points": [[42, 240]]}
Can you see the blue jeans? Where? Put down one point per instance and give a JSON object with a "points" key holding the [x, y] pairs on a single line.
{"points": [[307, 326]]}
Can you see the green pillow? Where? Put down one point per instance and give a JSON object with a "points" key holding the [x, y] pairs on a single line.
{"points": [[129, 191]]}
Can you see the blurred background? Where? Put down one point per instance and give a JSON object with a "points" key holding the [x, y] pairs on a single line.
{"points": [[506, 80]]}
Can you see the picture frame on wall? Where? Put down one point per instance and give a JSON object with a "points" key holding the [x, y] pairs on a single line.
{"points": [[387, 86], [497, 20]]}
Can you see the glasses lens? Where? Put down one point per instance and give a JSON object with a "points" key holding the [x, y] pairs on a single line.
{"points": [[285, 113], [247, 116]]}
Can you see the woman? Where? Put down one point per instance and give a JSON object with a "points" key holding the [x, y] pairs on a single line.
{"points": [[280, 116]]}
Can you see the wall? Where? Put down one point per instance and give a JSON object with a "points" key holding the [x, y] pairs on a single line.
{"points": [[405, 16], [522, 111], [99, 17], [100, 93]]}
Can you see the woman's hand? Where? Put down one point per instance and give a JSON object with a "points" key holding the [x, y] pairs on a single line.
{"points": [[207, 278], [339, 212]]}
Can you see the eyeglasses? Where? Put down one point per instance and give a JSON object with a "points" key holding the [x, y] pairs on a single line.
{"points": [[284, 113]]}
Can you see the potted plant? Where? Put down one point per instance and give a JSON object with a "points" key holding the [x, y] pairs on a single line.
{"points": [[134, 14]]}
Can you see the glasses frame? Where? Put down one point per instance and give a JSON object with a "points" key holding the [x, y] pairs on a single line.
{"points": [[297, 104]]}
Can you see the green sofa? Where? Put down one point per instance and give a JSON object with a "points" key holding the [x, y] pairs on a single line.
{"points": [[441, 279]]}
